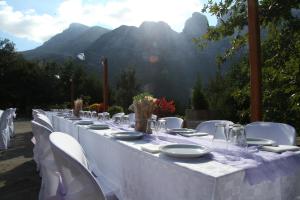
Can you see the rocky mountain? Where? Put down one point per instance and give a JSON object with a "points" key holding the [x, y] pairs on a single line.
{"points": [[167, 63], [70, 42]]}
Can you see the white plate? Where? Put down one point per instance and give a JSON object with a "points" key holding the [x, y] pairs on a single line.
{"points": [[74, 118], [128, 135], [184, 150], [98, 126], [260, 142], [182, 130], [85, 122]]}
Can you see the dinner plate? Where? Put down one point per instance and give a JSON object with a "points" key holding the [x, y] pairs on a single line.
{"points": [[193, 134], [85, 122], [260, 142], [61, 114], [98, 126], [74, 118], [184, 150], [182, 130], [128, 135]]}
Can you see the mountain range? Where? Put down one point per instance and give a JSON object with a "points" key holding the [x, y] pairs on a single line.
{"points": [[167, 63]]}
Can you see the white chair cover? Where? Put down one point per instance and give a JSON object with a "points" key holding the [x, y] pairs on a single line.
{"points": [[44, 120], [78, 181], [45, 159], [173, 122], [4, 129], [11, 122], [117, 115], [281, 133], [209, 127]]}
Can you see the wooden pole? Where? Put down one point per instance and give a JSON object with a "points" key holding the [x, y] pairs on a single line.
{"points": [[105, 83], [254, 60], [72, 92]]}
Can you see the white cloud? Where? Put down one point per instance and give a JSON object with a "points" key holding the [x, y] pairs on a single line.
{"points": [[39, 28]]}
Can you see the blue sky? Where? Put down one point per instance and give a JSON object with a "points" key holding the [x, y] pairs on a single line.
{"points": [[29, 23]]}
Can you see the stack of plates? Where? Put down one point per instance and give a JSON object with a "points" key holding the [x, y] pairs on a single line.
{"points": [[74, 118], [84, 122], [184, 150], [128, 135], [260, 142], [187, 132], [98, 126]]}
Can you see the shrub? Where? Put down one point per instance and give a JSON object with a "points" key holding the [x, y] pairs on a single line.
{"points": [[115, 109], [98, 107], [164, 108]]}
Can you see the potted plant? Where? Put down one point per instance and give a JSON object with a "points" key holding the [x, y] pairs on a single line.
{"points": [[143, 106]]}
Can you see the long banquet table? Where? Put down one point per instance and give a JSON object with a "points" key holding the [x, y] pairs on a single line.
{"points": [[138, 175]]}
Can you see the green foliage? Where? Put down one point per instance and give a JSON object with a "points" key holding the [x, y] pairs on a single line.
{"points": [[141, 96], [229, 93], [126, 88], [39, 84], [199, 101], [115, 109]]}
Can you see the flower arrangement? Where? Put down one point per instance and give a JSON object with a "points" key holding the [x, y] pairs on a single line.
{"points": [[98, 107], [143, 106], [77, 106], [164, 108]]}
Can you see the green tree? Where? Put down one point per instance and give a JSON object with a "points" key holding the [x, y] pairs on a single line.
{"points": [[126, 88], [199, 101], [280, 29]]}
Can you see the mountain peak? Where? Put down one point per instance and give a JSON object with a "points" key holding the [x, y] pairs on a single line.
{"points": [[77, 25], [149, 25], [196, 25]]}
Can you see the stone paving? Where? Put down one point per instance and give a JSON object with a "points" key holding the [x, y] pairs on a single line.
{"points": [[18, 176]]}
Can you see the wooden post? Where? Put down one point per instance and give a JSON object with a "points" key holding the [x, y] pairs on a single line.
{"points": [[72, 91], [105, 83], [254, 60]]}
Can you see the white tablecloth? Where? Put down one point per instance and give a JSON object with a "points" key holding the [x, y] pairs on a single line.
{"points": [[138, 175]]}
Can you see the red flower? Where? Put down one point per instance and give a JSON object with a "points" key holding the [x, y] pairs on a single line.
{"points": [[164, 108]]}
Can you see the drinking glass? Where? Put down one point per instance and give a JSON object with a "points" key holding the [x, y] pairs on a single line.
{"points": [[117, 119], [106, 116], [220, 133], [94, 115], [237, 136], [100, 117], [162, 126], [125, 120], [154, 127], [81, 113]]}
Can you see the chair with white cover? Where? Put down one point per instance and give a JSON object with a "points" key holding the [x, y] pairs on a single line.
{"points": [[47, 165], [11, 122], [44, 120], [281, 133], [78, 182], [118, 115], [210, 127], [173, 122], [4, 130]]}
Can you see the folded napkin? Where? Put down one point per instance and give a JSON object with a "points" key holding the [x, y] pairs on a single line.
{"points": [[280, 148], [151, 148]]}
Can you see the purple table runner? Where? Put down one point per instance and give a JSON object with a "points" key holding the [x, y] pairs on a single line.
{"points": [[258, 165]]}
